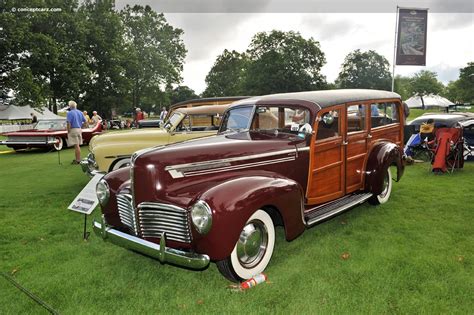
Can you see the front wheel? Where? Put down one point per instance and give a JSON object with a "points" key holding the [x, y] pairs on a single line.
{"points": [[253, 250], [386, 190], [121, 163]]}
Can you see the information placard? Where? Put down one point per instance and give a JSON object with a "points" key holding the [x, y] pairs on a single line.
{"points": [[86, 201]]}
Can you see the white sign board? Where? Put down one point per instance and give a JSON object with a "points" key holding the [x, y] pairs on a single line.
{"points": [[86, 201]]}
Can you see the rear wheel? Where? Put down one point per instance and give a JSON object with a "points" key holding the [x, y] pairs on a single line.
{"points": [[386, 190], [58, 145], [253, 250]]}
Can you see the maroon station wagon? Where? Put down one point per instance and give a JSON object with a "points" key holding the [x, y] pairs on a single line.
{"points": [[291, 159]]}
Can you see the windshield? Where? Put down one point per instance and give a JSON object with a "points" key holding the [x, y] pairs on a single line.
{"points": [[237, 119], [172, 121], [50, 125]]}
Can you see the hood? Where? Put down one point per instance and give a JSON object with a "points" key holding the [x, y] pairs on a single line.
{"points": [[129, 137], [165, 172], [216, 148]]}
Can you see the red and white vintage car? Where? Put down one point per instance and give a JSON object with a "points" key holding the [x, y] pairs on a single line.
{"points": [[292, 159], [50, 133]]}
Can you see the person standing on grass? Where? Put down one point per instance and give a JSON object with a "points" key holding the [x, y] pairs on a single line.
{"points": [[138, 116], [163, 114], [95, 118], [75, 121]]}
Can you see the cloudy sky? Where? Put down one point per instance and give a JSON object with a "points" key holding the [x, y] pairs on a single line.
{"points": [[341, 26]]}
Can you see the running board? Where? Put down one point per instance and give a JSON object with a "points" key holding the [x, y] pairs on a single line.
{"points": [[335, 207]]}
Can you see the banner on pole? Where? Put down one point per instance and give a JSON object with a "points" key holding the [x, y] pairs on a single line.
{"points": [[411, 40]]}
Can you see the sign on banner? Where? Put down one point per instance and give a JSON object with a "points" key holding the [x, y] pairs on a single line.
{"points": [[411, 40], [86, 201]]}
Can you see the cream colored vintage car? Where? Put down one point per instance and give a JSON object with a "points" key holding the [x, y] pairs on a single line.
{"points": [[112, 150]]}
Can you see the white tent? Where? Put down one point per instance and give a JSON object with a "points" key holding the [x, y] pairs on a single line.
{"points": [[428, 101], [13, 112]]}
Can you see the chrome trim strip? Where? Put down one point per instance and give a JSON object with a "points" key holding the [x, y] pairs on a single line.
{"points": [[242, 166], [161, 252], [6, 142], [303, 149], [176, 171]]}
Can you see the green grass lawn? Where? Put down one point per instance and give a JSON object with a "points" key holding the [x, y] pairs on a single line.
{"points": [[414, 254]]}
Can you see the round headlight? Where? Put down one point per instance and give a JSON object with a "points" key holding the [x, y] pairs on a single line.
{"points": [[201, 215], [102, 191]]}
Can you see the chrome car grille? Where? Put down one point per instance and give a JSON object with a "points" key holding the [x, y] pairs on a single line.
{"points": [[156, 218], [126, 211]]}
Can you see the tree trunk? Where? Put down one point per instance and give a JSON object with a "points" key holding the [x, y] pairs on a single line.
{"points": [[55, 106]]}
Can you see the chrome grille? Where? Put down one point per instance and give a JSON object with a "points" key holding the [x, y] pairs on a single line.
{"points": [[126, 212], [156, 218]]}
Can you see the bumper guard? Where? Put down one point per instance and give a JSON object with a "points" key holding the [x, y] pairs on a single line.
{"points": [[161, 252]]}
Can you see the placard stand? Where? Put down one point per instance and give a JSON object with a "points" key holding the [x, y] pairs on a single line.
{"points": [[59, 157], [86, 201], [86, 234]]}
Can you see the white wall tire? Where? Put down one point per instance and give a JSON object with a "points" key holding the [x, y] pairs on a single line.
{"points": [[386, 192], [253, 250], [121, 163], [58, 145]]}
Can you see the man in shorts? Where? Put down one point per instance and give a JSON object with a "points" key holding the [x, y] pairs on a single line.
{"points": [[75, 122]]}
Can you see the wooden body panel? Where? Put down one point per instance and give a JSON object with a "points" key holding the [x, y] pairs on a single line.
{"points": [[338, 164]]}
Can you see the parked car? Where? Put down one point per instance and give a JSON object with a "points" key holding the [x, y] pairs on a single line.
{"points": [[440, 120], [51, 133], [291, 159], [112, 151]]}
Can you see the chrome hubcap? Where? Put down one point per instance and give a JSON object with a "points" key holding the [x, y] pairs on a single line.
{"points": [[252, 244]]}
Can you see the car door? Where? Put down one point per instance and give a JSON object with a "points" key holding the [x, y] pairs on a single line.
{"points": [[327, 163], [356, 142]]}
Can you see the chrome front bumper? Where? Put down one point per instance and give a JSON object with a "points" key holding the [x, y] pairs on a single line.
{"points": [[88, 166], [161, 252]]}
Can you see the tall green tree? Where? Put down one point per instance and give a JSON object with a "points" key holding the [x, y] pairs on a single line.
{"points": [[182, 93], [107, 85], [44, 52], [226, 76], [453, 92], [367, 70], [154, 51], [426, 82], [283, 62], [465, 83], [402, 86]]}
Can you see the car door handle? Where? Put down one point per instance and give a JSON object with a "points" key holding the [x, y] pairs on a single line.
{"points": [[369, 136], [345, 143]]}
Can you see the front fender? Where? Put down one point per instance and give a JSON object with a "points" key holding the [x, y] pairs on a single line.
{"points": [[383, 155], [234, 201]]}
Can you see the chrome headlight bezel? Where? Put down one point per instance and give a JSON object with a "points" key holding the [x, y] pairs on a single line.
{"points": [[103, 192], [201, 216]]}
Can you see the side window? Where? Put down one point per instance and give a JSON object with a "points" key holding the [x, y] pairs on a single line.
{"points": [[283, 119], [185, 124], [356, 120], [382, 114], [328, 125]]}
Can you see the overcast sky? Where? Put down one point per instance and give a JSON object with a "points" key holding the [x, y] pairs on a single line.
{"points": [[450, 43]]}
